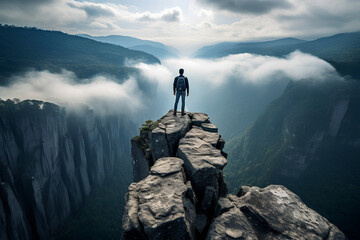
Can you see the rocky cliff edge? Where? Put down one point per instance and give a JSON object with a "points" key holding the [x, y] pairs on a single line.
{"points": [[179, 191]]}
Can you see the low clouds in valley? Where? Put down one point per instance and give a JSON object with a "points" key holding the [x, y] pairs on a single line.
{"points": [[99, 93], [255, 69], [105, 95]]}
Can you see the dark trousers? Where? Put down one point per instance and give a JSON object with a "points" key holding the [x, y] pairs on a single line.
{"points": [[178, 94]]}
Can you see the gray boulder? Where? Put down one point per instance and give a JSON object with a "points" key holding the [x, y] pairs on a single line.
{"points": [[273, 212], [203, 162], [161, 206], [209, 137], [232, 224], [159, 145], [199, 118], [157, 140], [132, 228], [164, 139]]}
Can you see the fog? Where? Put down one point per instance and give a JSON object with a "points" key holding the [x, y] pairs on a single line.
{"points": [[209, 79], [254, 69], [216, 78], [100, 93]]}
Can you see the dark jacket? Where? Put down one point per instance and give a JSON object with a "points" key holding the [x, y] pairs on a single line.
{"points": [[186, 83]]}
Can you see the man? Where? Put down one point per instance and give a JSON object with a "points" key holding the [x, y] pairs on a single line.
{"points": [[181, 84]]}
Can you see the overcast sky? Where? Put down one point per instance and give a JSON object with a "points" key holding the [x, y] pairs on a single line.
{"points": [[187, 24]]}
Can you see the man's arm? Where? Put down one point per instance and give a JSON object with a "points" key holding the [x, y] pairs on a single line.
{"points": [[174, 85], [187, 85]]}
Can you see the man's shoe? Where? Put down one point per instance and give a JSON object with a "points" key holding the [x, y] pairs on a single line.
{"points": [[182, 114], [174, 113]]}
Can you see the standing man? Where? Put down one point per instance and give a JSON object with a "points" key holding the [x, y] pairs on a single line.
{"points": [[181, 84]]}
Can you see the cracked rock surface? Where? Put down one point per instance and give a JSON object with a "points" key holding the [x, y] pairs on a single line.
{"points": [[203, 162], [273, 212], [160, 206], [157, 139], [186, 197]]}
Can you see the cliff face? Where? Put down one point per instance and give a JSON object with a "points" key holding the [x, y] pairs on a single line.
{"points": [[309, 141], [180, 193], [50, 160]]}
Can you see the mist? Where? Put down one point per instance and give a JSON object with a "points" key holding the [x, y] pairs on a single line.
{"points": [[223, 81], [236, 89], [215, 84], [101, 93], [256, 69]]}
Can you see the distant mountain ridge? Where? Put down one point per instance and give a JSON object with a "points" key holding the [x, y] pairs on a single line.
{"points": [[154, 48], [23, 48], [341, 50], [226, 48]]}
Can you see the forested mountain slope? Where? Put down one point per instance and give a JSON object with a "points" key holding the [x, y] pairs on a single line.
{"points": [[157, 49], [308, 140], [24, 48], [341, 50]]}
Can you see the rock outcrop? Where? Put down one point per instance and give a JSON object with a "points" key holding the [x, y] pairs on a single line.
{"points": [[49, 162], [273, 212], [179, 191], [157, 139], [161, 206]]}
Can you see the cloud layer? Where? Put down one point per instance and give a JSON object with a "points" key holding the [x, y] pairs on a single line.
{"points": [[206, 78], [188, 24], [99, 93], [254, 69], [82, 16]]}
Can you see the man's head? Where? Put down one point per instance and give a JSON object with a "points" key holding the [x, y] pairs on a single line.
{"points": [[181, 71]]}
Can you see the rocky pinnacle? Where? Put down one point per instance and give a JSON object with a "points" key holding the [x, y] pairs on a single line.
{"points": [[179, 191]]}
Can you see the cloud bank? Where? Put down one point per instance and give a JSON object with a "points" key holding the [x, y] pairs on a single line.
{"points": [[99, 93], [210, 78], [255, 69], [188, 24], [206, 76]]}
